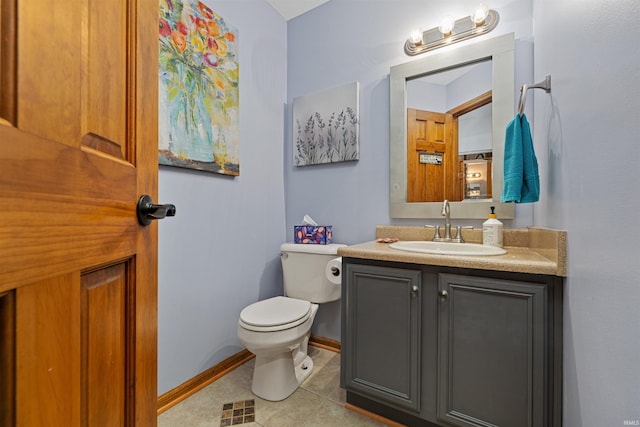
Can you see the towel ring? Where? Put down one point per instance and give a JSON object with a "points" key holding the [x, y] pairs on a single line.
{"points": [[545, 84]]}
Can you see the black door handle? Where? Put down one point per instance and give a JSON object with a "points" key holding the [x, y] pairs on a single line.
{"points": [[148, 212]]}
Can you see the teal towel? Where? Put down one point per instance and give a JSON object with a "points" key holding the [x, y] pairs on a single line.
{"points": [[521, 180]]}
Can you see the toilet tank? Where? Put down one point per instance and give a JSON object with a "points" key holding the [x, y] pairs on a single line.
{"points": [[304, 272]]}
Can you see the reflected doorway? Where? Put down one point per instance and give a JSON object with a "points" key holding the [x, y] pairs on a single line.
{"points": [[449, 153]]}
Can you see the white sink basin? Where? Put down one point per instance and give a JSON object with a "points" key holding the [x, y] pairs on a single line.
{"points": [[447, 248]]}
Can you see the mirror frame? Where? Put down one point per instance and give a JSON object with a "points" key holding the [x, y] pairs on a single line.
{"points": [[500, 50]]}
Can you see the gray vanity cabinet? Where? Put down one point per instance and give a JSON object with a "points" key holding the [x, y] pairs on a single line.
{"points": [[381, 326], [438, 346], [491, 351]]}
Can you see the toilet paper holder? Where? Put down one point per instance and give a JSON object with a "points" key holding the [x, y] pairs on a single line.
{"points": [[333, 271]]}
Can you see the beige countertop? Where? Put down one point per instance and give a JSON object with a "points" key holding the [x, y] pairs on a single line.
{"points": [[532, 250]]}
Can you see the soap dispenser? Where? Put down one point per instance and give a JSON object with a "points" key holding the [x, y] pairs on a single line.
{"points": [[492, 230]]}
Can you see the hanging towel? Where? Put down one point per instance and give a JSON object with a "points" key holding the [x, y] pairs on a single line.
{"points": [[521, 180]]}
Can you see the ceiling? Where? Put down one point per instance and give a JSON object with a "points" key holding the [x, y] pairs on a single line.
{"points": [[292, 8]]}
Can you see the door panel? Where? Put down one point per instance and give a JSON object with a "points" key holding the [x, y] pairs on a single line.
{"points": [[43, 86], [47, 356], [7, 358], [107, 76], [78, 146], [104, 345], [89, 38], [8, 63], [491, 352], [431, 133], [381, 328]]}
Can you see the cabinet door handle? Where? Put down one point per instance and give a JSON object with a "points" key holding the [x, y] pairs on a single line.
{"points": [[414, 290], [444, 294]]}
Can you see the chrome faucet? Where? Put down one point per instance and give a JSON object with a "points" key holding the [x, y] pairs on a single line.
{"points": [[446, 213], [446, 210]]}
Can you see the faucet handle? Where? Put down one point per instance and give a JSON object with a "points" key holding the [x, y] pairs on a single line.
{"points": [[458, 238], [436, 234]]}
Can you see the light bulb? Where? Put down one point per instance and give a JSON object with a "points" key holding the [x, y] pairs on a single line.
{"points": [[446, 25], [479, 14], [415, 36]]}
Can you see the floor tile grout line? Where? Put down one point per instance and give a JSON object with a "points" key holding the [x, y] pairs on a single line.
{"points": [[322, 396]]}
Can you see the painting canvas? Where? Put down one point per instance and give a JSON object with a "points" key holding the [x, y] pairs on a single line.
{"points": [[326, 126], [198, 89]]}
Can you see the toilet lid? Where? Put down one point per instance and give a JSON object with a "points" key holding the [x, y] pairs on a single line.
{"points": [[275, 311]]}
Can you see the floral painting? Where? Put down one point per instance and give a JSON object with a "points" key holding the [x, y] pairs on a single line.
{"points": [[326, 126], [198, 89]]}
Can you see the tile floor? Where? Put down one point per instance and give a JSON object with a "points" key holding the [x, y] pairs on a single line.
{"points": [[318, 402]]}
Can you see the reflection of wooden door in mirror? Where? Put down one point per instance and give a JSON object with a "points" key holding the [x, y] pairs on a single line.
{"points": [[432, 165]]}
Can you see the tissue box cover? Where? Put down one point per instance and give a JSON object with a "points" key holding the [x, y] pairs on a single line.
{"points": [[312, 234]]}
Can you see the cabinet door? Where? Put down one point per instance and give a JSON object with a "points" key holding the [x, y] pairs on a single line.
{"points": [[381, 334], [491, 338]]}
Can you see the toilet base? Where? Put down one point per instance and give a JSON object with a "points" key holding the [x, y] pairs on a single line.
{"points": [[275, 377], [304, 369]]}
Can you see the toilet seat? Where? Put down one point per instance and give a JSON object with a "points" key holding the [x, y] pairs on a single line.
{"points": [[275, 314]]}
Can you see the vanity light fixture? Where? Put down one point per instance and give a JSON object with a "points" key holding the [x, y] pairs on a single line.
{"points": [[446, 25], [416, 36], [481, 21], [479, 14]]}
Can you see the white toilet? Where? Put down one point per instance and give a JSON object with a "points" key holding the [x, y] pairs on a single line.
{"points": [[277, 329]]}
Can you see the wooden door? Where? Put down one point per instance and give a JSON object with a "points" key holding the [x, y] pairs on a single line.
{"points": [[78, 276], [434, 177]]}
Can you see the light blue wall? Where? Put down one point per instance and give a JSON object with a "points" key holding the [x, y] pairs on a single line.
{"points": [[426, 96], [469, 85], [347, 40], [587, 135], [221, 251]]}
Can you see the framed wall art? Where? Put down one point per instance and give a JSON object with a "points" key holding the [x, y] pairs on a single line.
{"points": [[198, 89], [326, 126]]}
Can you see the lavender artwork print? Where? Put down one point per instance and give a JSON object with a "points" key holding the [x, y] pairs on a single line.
{"points": [[326, 126]]}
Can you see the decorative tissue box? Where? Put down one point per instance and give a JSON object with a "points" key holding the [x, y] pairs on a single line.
{"points": [[312, 234]]}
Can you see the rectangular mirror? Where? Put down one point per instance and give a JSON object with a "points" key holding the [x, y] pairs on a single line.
{"points": [[448, 114]]}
